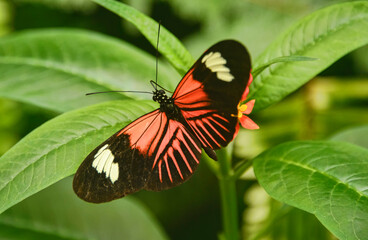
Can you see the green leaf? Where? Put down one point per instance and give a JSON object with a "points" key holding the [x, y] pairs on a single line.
{"points": [[327, 34], [57, 213], [54, 69], [328, 179], [259, 69], [169, 45], [356, 135], [55, 149]]}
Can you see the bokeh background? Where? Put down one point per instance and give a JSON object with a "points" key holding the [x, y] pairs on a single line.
{"points": [[334, 100]]}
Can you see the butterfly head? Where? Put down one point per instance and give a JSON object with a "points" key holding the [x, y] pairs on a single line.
{"points": [[160, 96], [166, 104]]}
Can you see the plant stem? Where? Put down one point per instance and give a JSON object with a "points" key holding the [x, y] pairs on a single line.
{"points": [[228, 195], [212, 165], [242, 168]]}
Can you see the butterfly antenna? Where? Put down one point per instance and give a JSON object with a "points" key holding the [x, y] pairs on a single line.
{"points": [[155, 85], [158, 39], [117, 91]]}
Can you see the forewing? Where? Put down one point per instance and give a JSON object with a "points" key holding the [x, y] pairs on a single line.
{"points": [[209, 93], [152, 153]]}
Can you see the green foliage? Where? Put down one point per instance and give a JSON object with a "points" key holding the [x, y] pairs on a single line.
{"points": [[68, 5], [169, 46], [41, 217], [54, 68], [259, 69], [327, 34], [356, 135], [327, 179], [54, 150]]}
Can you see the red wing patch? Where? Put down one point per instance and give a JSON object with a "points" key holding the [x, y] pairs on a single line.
{"points": [[152, 153], [166, 143], [209, 93], [214, 127], [143, 133], [162, 148], [175, 158]]}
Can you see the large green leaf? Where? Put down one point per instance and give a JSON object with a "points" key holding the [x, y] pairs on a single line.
{"points": [[55, 149], [327, 34], [328, 179], [356, 135], [169, 45], [246, 27], [57, 213], [55, 68]]}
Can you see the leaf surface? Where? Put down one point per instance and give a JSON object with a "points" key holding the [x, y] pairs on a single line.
{"points": [[327, 35], [326, 178], [57, 213], [169, 45], [54, 69], [54, 150]]}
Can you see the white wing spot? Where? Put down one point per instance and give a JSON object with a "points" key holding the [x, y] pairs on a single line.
{"points": [[216, 63], [114, 172], [103, 163]]}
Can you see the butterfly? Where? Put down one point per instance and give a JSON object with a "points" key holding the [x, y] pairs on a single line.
{"points": [[162, 148]]}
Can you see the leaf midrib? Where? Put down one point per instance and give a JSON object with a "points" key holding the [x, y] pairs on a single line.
{"points": [[312, 169], [83, 135], [49, 152], [315, 40], [53, 66]]}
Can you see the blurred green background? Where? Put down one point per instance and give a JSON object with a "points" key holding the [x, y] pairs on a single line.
{"points": [[334, 100]]}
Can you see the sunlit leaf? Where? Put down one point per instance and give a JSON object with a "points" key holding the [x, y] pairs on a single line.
{"points": [[55, 149], [259, 69], [326, 178], [246, 28], [54, 69], [169, 45], [327, 34]]}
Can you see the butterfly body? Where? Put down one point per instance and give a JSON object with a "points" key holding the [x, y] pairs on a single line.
{"points": [[162, 148], [166, 104]]}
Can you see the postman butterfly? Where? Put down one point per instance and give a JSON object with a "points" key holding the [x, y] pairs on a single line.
{"points": [[162, 148]]}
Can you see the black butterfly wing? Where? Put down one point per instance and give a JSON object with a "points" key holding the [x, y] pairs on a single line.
{"points": [[209, 93], [153, 153]]}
